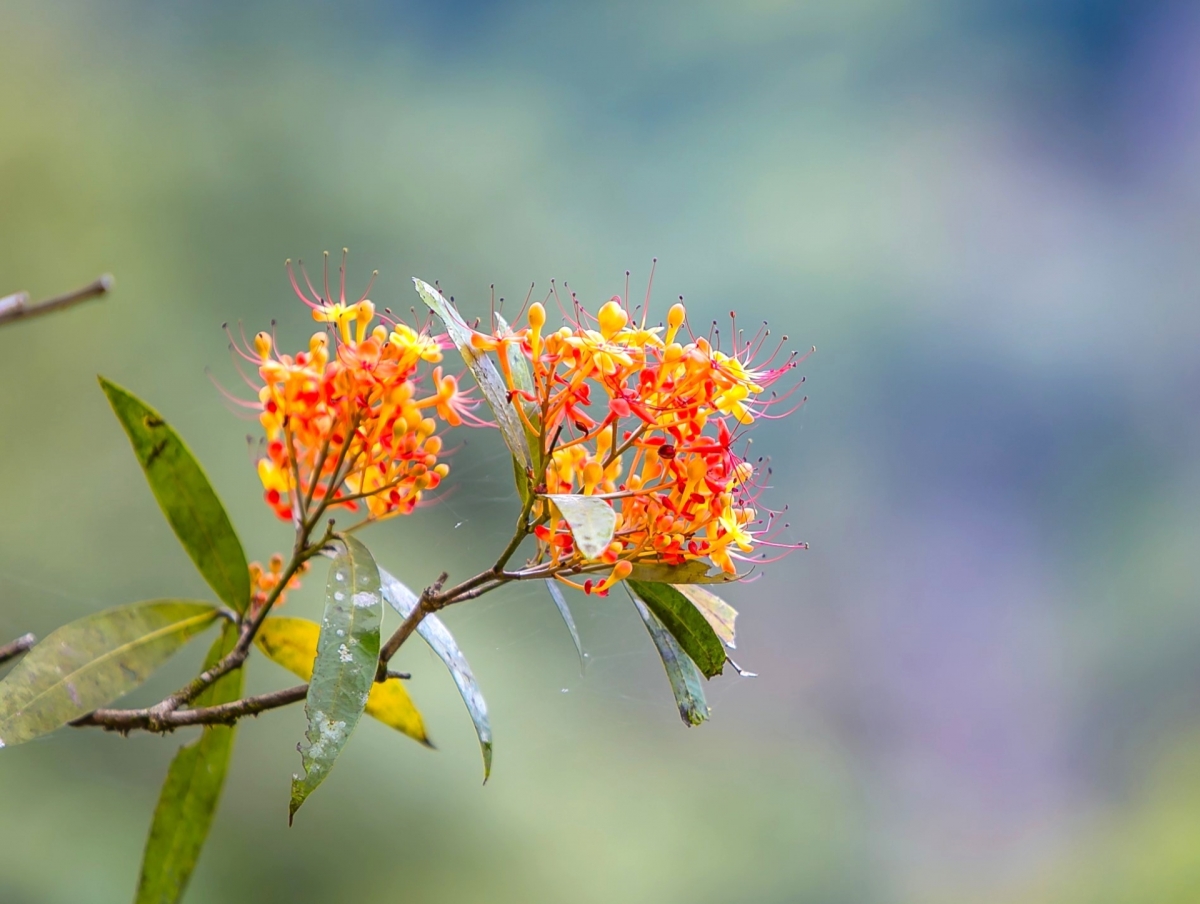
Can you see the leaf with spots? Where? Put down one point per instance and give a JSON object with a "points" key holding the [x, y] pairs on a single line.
{"points": [[483, 369], [681, 671], [292, 643], [189, 796], [344, 670], [91, 662], [592, 521], [690, 628], [442, 642], [186, 497]]}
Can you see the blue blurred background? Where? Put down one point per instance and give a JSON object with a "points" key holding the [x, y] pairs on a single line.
{"points": [[981, 683]]}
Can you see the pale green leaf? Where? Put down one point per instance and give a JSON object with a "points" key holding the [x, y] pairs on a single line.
{"points": [[564, 610], [186, 497], [91, 662], [347, 656], [720, 615], [592, 521], [442, 642], [483, 369], [691, 629], [189, 796]]}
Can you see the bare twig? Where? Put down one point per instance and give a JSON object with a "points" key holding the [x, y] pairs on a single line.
{"points": [[18, 647], [17, 307], [126, 720]]}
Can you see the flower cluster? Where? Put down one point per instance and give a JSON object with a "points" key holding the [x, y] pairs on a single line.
{"points": [[263, 581], [346, 420], [649, 422]]}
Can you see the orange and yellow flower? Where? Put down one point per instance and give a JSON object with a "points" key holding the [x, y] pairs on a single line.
{"points": [[346, 421], [650, 423]]}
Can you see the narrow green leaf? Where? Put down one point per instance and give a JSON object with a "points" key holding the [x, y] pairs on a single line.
{"points": [[560, 601], [693, 572], [521, 479], [442, 642], [681, 671], [483, 369], [523, 380], [187, 498], [592, 521], [720, 615], [91, 662], [347, 656], [686, 624], [189, 796]]}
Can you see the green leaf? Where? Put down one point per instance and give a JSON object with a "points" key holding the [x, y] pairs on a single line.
{"points": [[189, 796], [560, 601], [347, 656], [187, 498], [592, 521], [693, 572], [522, 376], [521, 479], [292, 643], [483, 369], [686, 624], [442, 642], [681, 671], [91, 662], [719, 614]]}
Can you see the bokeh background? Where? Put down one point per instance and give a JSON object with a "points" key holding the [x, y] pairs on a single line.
{"points": [[981, 683]]}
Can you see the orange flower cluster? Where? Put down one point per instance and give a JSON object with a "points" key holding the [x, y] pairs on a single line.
{"points": [[345, 421], [263, 581], [649, 422]]}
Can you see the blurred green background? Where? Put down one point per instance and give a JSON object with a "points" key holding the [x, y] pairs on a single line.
{"points": [[980, 684]]}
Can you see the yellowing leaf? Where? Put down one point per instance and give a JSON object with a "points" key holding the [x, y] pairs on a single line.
{"points": [[93, 661], [292, 643], [719, 613]]}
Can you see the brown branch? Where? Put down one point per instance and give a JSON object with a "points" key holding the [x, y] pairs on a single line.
{"points": [[127, 720], [17, 307], [17, 648], [423, 607]]}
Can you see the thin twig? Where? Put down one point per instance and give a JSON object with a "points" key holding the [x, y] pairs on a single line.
{"points": [[126, 720], [18, 647], [17, 307]]}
